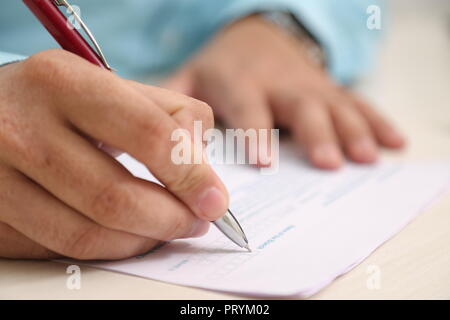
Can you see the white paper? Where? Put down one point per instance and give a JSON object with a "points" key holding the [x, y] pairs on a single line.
{"points": [[305, 226]]}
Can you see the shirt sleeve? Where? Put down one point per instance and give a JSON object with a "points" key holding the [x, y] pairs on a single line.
{"points": [[7, 58], [339, 26]]}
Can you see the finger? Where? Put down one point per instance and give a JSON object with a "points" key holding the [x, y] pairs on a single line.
{"points": [[353, 131], [121, 117], [99, 187], [182, 81], [385, 133], [247, 108], [171, 102], [37, 215], [313, 129], [14, 245], [260, 119]]}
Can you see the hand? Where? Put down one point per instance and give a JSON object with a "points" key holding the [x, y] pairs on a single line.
{"points": [[255, 76], [62, 196]]}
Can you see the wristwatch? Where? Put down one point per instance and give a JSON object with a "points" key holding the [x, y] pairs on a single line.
{"points": [[291, 25]]}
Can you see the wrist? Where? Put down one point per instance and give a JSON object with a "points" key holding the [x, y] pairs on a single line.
{"points": [[289, 24]]}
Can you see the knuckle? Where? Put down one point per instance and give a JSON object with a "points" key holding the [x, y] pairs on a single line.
{"points": [[7, 195], [192, 177], [174, 229], [202, 107], [299, 106], [43, 63], [83, 243], [16, 143], [306, 102], [208, 115], [114, 205], [343, 105], [293, 100], [339, 100], [150, 130], [22, 145], [197, 110], [48, 68]]}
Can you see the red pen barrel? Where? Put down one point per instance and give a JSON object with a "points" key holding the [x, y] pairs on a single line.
{"points": [[62, 31]]}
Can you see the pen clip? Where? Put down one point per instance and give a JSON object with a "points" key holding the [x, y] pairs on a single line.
{"points": [[65, 3]]}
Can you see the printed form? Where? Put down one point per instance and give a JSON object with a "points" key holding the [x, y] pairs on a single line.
{"points": [[305, 226]]}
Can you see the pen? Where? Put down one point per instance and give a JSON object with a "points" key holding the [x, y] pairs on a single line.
{"points": [[230, 227], [56, 23]]}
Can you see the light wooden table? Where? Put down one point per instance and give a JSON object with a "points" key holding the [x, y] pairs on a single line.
{"points": [[412, 84]]}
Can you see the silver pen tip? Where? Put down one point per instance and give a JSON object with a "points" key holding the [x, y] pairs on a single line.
{"points": [[248, 248]]}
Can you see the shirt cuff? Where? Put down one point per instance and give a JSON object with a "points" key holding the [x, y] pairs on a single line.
{"points": [[7, 58]]}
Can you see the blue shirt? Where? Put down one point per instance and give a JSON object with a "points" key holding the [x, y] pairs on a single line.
{"points": [[140, 37]]}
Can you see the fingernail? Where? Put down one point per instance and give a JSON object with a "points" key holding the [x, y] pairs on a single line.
{"points": [[213, 204], [265, 156], [199, 228], [327, 155]]}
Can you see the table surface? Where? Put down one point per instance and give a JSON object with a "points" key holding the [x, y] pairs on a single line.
{"points": [[412, 85]]}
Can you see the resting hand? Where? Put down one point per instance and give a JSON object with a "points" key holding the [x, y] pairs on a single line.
{"points": [[256, 76]]}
